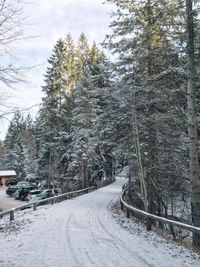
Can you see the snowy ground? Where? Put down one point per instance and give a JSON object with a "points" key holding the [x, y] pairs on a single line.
{"points": [[83, 232], [6, 202]]}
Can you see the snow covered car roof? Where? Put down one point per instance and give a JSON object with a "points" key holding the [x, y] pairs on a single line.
{"points": [[7, 173]]}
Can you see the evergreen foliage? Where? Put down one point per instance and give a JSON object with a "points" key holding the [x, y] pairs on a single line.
{"points": [[19, 147], [75, 82]]}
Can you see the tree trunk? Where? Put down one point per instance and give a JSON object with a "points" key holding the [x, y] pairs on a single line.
{"points": [[192, 124], [139, 156], [151, 123], [85, 173]]}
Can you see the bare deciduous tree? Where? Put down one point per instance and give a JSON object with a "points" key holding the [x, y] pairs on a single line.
{"points": [[11, 32]]}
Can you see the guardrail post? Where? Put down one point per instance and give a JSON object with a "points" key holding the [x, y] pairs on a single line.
{"points": [[12, 216], [128, 213], [122, 207], [34, 206], [52, 201]]}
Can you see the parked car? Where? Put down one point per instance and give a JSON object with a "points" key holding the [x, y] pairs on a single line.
{"points": [[11, 189], [33, 181], [44, 194], [22, 193], [13, 181], [33, 193], [22, 184]]}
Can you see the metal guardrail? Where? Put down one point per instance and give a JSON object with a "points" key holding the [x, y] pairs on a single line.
{"points": [[129, 208], [51, 200]]}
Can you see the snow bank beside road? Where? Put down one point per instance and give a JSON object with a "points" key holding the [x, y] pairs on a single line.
{"points": [[82, 232]]}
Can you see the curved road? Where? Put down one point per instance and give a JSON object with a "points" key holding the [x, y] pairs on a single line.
{"points": [[82, 233]]}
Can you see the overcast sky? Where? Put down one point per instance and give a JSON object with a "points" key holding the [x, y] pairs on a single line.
{"points": [[50, 20]]}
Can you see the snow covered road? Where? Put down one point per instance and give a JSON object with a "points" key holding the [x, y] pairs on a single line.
{"points": [[82, 233]]}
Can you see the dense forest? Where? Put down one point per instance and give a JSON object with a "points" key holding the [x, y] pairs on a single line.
{"points": [[138, 111]]}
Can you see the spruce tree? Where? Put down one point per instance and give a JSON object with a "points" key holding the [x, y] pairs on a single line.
{"points": [[143, 40], [54, 122], [14, 157], [192, 121], [90, 149]]}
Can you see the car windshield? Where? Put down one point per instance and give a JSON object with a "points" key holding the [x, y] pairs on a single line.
{"points": [[35, 192], [42, 194], [22, 183]]}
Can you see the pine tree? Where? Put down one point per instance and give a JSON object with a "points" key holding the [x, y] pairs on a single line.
{"points": [[2, 152], [63, 75], [14, 148], [192, 121], [143, 39], [90, 149], [29, 142], [82, 55], [49, 122], [70, 73]]}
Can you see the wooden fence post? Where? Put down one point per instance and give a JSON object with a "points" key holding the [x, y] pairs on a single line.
{"points": [[12, 216], [128, 213], [34, 206], [122, 207]]}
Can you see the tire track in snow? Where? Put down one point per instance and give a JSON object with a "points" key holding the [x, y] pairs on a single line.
{"points": [[80, 253], [102, 254], [91, 251], [123, 248], [119, 247], [69, 245], [109, 246]]}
